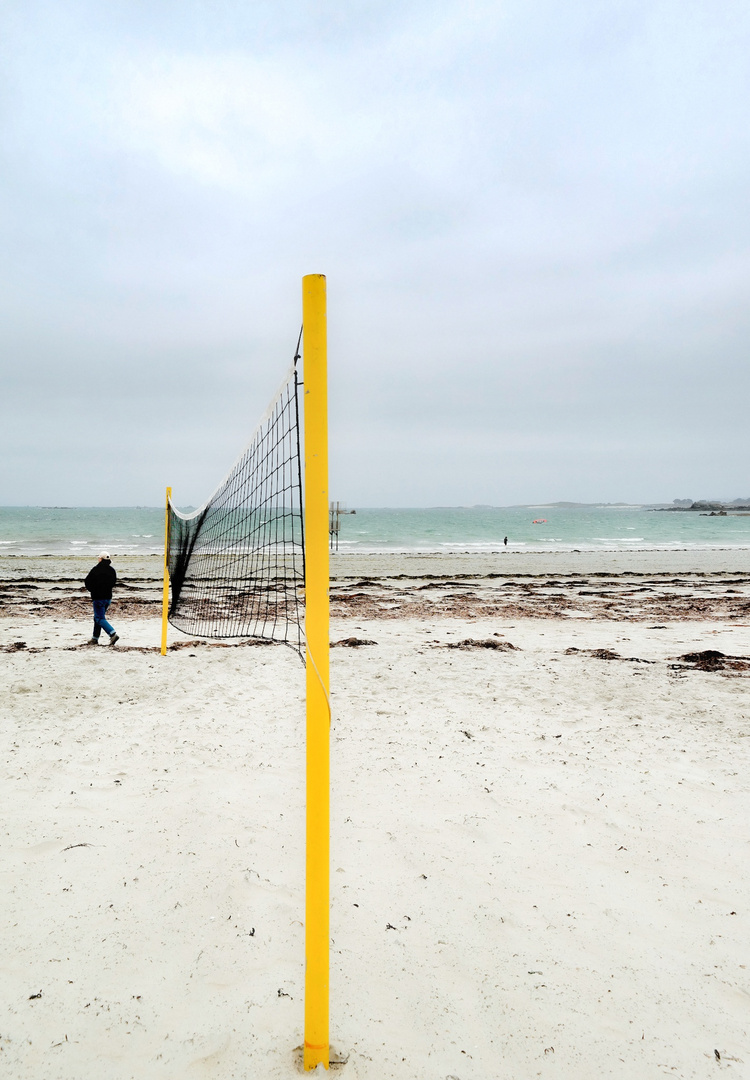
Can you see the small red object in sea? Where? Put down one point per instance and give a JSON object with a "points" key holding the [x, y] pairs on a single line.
{"points": [[539, 521]]}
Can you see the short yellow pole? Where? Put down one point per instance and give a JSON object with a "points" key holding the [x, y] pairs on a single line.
{"points": [[317, 632], [165, 594]]}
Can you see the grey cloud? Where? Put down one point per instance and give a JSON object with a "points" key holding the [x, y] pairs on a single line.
{"points": [[533, 219]]}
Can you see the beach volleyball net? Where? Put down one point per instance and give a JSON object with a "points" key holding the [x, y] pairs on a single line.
{"points": [[236, 565]]}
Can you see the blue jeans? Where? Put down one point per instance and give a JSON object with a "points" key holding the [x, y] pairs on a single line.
{"points": [[100, 617]]}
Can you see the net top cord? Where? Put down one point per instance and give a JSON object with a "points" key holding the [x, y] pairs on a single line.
{"points": [[236, 564]]}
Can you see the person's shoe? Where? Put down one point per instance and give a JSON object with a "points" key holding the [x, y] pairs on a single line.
{"points": [[93, 641], [113, 638]]}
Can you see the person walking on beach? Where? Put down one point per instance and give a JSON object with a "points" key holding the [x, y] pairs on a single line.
{"points": [[100, 581], [505, 541]]}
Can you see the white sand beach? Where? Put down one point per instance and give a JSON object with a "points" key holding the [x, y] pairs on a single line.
{"points": [[539, 857]]}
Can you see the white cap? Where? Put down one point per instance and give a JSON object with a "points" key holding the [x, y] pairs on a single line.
{"points": [[104, 555]]}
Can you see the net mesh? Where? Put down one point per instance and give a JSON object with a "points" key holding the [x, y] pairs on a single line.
{"points": [[236, 565]]}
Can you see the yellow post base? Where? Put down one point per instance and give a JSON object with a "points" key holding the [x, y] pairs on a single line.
{"points": [[314, 1056]]}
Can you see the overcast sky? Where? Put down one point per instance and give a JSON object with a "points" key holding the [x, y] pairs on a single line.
{"points": [[534, 218]]}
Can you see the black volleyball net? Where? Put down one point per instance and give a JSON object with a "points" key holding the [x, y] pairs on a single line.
{"points": [[236, 565]]}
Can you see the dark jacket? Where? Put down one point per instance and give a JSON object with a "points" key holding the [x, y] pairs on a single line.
{"points": [[100, 580]]}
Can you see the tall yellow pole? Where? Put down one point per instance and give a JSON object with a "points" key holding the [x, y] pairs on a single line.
{"points": [[317, 633], [165, 593]]}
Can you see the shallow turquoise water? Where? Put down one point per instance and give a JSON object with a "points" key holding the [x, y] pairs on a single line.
{"points": [[483, 529], [140, 530]]}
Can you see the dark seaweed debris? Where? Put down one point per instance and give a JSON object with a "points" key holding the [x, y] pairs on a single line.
{"points": [[352, 643], [606, 654], [712, 660], [598, 654], [486, 643]]}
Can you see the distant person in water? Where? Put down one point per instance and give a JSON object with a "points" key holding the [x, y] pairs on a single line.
{"points": [[505, 541], [100, 581]]}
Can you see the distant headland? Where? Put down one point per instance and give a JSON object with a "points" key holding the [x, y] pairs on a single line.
{"points": [[711, 509]]}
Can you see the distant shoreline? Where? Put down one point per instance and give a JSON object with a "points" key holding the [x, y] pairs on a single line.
{"points": [[394, 564], [739, 508]]}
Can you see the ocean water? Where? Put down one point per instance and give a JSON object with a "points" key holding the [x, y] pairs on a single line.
{"points": [[139, 530]]}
